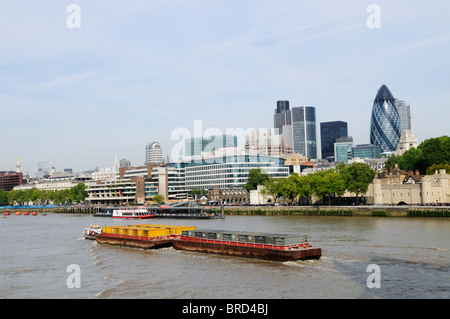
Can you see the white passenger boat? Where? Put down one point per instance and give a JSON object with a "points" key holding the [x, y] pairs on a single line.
{"points": [[135, 213]]}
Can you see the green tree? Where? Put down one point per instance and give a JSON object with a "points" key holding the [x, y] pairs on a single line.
{"points": [[195, 191], [357, 178], [391, 162], [273, 187], [255, 177], [436, 167], [411, 160], [159, 199], [289, 187], [304, 188], [77, 193], [3, 197], [434, 151]]}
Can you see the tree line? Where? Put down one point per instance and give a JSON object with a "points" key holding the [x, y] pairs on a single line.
{"points": [[74, 195], [324, 184], [431, 155]]}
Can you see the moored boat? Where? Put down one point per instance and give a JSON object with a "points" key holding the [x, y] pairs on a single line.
{"points": [[104, 212], [132, 213]]}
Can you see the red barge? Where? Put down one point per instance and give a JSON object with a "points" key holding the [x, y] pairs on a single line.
{"points": [[276, 247]]}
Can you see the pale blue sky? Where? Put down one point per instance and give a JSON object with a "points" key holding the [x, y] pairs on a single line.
{"points": [[137, 70]]}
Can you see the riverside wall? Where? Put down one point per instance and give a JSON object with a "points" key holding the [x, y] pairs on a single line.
{"points": [[376, 211], [372, 211]]}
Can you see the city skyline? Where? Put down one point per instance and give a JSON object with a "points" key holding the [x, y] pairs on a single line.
{"points": [[75, 97]]}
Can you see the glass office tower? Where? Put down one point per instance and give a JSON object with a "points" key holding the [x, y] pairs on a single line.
{"points": [[304, 131], [282, 116], [329, 133], [404, 111], [195, 146], [385, 121]]}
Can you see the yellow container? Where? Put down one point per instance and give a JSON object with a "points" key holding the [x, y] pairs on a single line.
{"points": [[176, 230], [123, 231], [155, 232], [107, 230], [132, 232], [142, 233]]}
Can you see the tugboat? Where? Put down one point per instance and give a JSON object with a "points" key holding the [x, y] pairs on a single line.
{"points": [[92, 231]]}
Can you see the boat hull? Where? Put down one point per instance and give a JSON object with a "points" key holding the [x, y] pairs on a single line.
{"points": [[134, 217], [249, 251], [136, 242]]}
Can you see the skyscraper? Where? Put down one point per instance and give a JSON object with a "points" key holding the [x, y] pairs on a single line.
{"points": [[329, 132], [385, 121], [404, 111], [282, 116], [304, 131], [343, 149], [153, 153], [195, 146]]}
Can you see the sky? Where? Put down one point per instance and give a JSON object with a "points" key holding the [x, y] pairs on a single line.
{"points": [[80, 86]]}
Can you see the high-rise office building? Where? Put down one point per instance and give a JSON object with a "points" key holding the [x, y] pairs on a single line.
{"points": [[43, 169], [304, 131], [153, 153], [195, 146], [329, 132], [343, 149], [366, 151], [282, 116], [404, 111], [385, 121]]}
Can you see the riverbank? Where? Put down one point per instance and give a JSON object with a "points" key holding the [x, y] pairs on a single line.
{"points": [[369, 211]]}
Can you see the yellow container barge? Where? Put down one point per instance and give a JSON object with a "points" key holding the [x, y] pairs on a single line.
{"points": [[141, 236]]}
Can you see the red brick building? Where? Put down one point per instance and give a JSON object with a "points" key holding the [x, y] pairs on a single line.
{"points": [[8, 180]]}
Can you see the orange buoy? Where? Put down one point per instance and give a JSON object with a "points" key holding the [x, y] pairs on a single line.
{"points": [[27, 213], [6, 213], [34, 213], [18, 213]]}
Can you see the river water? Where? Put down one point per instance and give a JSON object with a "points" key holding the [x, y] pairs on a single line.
{"points": [[413, 256]]}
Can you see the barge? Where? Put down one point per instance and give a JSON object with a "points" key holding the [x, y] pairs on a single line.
{"points": [[141, 236], [276, 247]]}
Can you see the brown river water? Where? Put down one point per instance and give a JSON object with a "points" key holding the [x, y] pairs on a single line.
{"points": [[412, 256]]}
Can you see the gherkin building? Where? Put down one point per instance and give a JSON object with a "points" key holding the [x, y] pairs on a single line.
{"points": [[385, 122]]}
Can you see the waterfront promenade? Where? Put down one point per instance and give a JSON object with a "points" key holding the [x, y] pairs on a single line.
{"points": [[370, 211]]}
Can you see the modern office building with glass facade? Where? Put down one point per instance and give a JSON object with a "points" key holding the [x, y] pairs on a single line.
{"points": [[366, 151], [329, 132], [304, 131], [195, 146], [343, 149], [230, 171], [282, 116], [404, 111], [385, 122]]}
